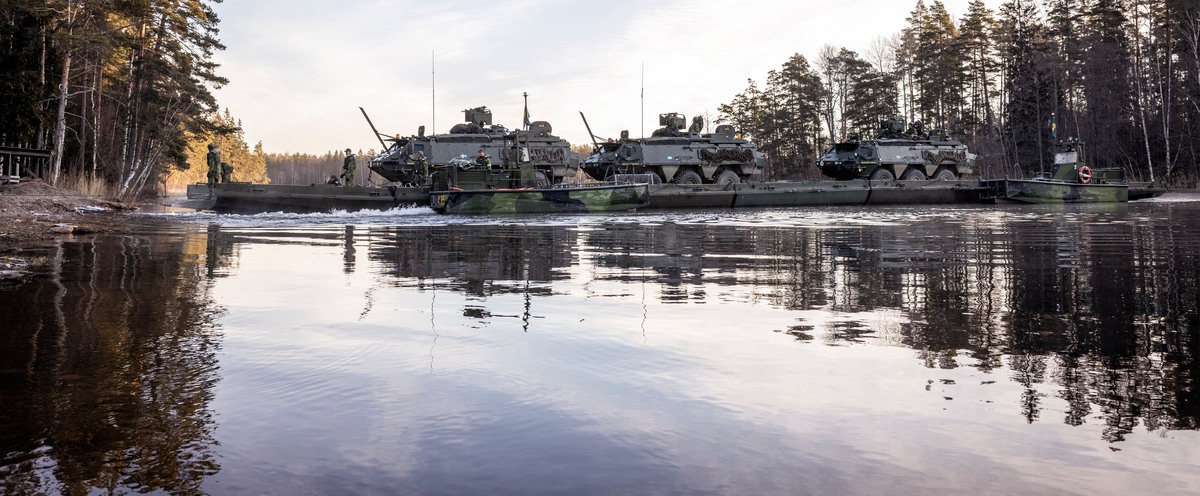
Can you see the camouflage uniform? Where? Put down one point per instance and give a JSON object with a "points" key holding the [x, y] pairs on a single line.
{"points": [[226, 172], [483, 161], [348, 168], [214, 164]]}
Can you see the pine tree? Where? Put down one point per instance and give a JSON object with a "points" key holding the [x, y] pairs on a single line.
{"points": [[1028, 86], [1106, 85], [938, 71], [977, 30]]}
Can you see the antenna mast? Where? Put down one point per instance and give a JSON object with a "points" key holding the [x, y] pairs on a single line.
{"points": [[643, 96], [433, 85]]}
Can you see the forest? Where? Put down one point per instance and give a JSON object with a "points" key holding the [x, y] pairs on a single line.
{"points": [[117, 90], [121, 92], [1121, 75]]}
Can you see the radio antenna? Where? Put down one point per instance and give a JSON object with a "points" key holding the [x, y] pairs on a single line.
{"points": [[433, 85]]}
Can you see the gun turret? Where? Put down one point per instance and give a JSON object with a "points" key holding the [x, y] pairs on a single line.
{"points": [[672, 120], [480, 116]]}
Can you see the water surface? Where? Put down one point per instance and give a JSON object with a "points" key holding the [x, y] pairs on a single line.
{"points": [[915, 350]]}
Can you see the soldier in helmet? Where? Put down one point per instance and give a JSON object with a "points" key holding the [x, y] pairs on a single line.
{"points": [[226, 172], [348, 169], [214, 165]]}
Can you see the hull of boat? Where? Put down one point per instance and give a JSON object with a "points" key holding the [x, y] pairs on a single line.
{"points": [[1050, 191], [582, 199]]}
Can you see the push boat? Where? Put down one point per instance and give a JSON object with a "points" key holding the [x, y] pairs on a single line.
{"points": [[1071, 181], [464, 187]]}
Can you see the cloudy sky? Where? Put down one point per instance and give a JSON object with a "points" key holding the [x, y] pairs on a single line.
{"points": [[299, 69]]}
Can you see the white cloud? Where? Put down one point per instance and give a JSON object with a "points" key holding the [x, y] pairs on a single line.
{"points": [[298, 70]]}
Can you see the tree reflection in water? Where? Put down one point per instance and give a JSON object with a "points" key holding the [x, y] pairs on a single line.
{"points": [[1099, 314], [109, 364]]}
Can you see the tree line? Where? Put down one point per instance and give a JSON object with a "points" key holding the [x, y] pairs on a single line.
{"points": [[117, 90], [121, 91], [1120, 75]]}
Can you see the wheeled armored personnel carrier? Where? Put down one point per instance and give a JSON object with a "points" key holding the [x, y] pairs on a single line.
{"points": [[897, 153], [409, 160], [678, 155]]}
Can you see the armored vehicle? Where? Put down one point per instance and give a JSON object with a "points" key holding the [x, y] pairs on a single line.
{"points": [[678, 155], [896, 153], [409, 160]]}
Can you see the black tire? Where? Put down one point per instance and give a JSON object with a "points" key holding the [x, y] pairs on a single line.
{"points": [[882, 174], [727, 177], [944, 175], [913, 174], [687, 177]]}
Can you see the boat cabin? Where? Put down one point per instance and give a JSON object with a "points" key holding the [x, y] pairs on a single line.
{"points": [[1070, 164]]}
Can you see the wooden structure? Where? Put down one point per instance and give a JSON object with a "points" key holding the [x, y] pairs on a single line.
{"points": [[28, 163]]}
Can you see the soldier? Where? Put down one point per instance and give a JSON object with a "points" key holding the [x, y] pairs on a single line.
{"points": [[348, 169], [214, 165], [483, 160], [226, 172], [697, 124], [420, 163]]}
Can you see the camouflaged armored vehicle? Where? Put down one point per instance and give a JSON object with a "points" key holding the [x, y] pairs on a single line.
{"points": [[678, 155], [896, 153], [409, 160]]}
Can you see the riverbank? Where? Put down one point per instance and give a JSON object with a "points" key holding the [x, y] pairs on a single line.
{"points": [[32, 213]]}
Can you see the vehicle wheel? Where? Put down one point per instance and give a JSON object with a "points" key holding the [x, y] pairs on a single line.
{"points": [[944, 175], [913, 175], [687, 177], [540, 180], [727, 177], [882, 174]]}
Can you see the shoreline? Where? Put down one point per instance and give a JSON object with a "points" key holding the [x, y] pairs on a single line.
{"points": [[33, 213]]}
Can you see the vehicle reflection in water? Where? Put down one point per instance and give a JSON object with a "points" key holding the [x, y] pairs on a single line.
{"points": [[772, 351], [1100, 311]]}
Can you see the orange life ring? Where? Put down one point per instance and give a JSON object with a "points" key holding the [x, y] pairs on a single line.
{"points": [[1085, 175]]}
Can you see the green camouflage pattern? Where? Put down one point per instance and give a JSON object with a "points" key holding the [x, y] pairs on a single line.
{"points": [[214, 166], [580, 199], [1051, 191], [348, 168], [1071, 181]]}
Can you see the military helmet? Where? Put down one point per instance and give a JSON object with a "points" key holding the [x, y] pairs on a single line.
{"points": [[212, 146], [348, 150]]}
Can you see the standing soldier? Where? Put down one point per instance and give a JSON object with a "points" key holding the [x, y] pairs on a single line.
{"points": [[214, 165], [226, 172], [348, 169]]}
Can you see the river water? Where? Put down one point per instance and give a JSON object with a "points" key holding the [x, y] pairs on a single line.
{"points": [[905, 350]]}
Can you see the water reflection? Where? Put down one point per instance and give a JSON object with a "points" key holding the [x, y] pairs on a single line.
{"points": [[107, 368], [754, 352], [1095, 308]]}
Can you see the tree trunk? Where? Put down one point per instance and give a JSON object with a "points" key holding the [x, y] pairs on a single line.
{"points": [[60, 125], [41, 131], [1139, 85]]}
